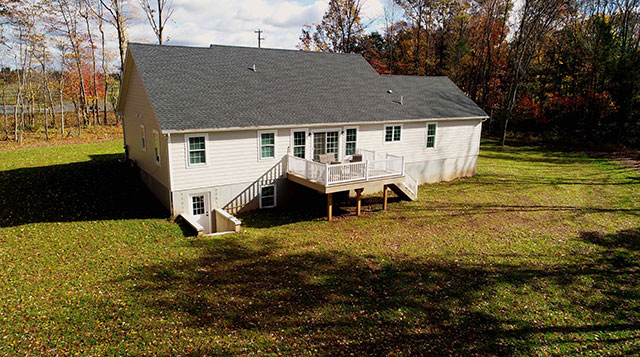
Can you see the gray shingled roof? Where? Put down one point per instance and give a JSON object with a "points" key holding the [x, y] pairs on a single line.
{"points": [[207, 88]]}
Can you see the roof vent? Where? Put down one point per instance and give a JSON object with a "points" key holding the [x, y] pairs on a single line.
{"points": [[390, 91], [401, 100], [253, 68]]}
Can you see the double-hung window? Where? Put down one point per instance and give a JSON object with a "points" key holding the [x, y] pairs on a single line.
{"points": [[267, 145], [299, 144], [143, 138], [197, 150], [431, 136], [350, 141], [267, 196], [392, 133], [156, 146]]}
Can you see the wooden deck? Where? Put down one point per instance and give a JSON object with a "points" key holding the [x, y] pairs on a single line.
{"points": [[345, 186], [387, 171]]}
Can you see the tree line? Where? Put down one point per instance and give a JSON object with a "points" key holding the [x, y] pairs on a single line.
{"points": [[554, 69], [56, 56]]}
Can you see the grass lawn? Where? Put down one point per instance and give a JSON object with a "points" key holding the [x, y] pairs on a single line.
{"points": [[537, 254]]}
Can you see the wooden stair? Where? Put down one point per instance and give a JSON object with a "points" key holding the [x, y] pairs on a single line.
{"points": [[403, 192]]}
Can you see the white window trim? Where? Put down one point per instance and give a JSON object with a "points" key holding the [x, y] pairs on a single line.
{"points": [[159, 158], [206, 149], [340, 155], [345, 140], [275, 146], [426, 135], [384, 134], [144, 137], [307, 139], [275, 195]]}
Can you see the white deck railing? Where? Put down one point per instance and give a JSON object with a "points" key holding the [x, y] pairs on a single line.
{"points": [[411, 183], [326, 174]]}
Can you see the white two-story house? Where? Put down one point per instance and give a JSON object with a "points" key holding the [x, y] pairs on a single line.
{"points": [[221, 129]]}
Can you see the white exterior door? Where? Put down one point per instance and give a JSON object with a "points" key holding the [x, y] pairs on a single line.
{"points": [[199, 206]]}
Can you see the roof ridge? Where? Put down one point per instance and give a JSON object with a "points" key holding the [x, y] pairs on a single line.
{"points": [[244, 47]]}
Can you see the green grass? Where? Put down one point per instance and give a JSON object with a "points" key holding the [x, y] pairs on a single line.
{"points": [[537, 254]]}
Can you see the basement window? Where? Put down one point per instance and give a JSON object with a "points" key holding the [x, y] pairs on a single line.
{"points": [[268, 196]]}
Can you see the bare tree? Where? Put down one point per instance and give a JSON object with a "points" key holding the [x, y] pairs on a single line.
{"points": [[536, 19], [157, 15], [117, 18], [84, 12]]}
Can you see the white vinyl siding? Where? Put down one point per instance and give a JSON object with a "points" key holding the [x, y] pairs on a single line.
{"points": [[235, 163], [137, 112]]}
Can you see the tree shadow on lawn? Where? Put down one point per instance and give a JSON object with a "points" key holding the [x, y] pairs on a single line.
{"points": [[100, 189], [314, 208], [339, 303]]}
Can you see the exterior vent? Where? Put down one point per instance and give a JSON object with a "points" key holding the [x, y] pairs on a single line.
{"points": [[253, 68], [401, 100]]}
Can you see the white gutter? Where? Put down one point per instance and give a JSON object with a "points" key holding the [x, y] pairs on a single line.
{"points": [[285, 126]]}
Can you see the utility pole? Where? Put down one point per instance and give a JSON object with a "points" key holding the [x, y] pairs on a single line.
{"points": [[260, 38]]}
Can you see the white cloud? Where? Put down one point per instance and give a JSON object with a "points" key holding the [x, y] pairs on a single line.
{"points": [[200, 22], [203, 22]]}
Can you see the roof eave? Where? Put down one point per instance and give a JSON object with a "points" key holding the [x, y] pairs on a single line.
{"points": [[285, 126]]}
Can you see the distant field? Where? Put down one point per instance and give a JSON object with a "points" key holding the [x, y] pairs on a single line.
{"points": [[537, 254]]}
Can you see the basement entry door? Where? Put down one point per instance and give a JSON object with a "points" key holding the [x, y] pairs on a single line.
{"points": [[200, 211]]}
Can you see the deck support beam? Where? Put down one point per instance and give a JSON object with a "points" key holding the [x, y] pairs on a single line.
{"points": [[359, 201], [329, 206], [385, 197]]}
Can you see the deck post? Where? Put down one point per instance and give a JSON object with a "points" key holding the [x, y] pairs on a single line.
{"points": [[329, 206], [359, 201], [306, 169], [385, 196], [326, 174], [366, 170]]}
